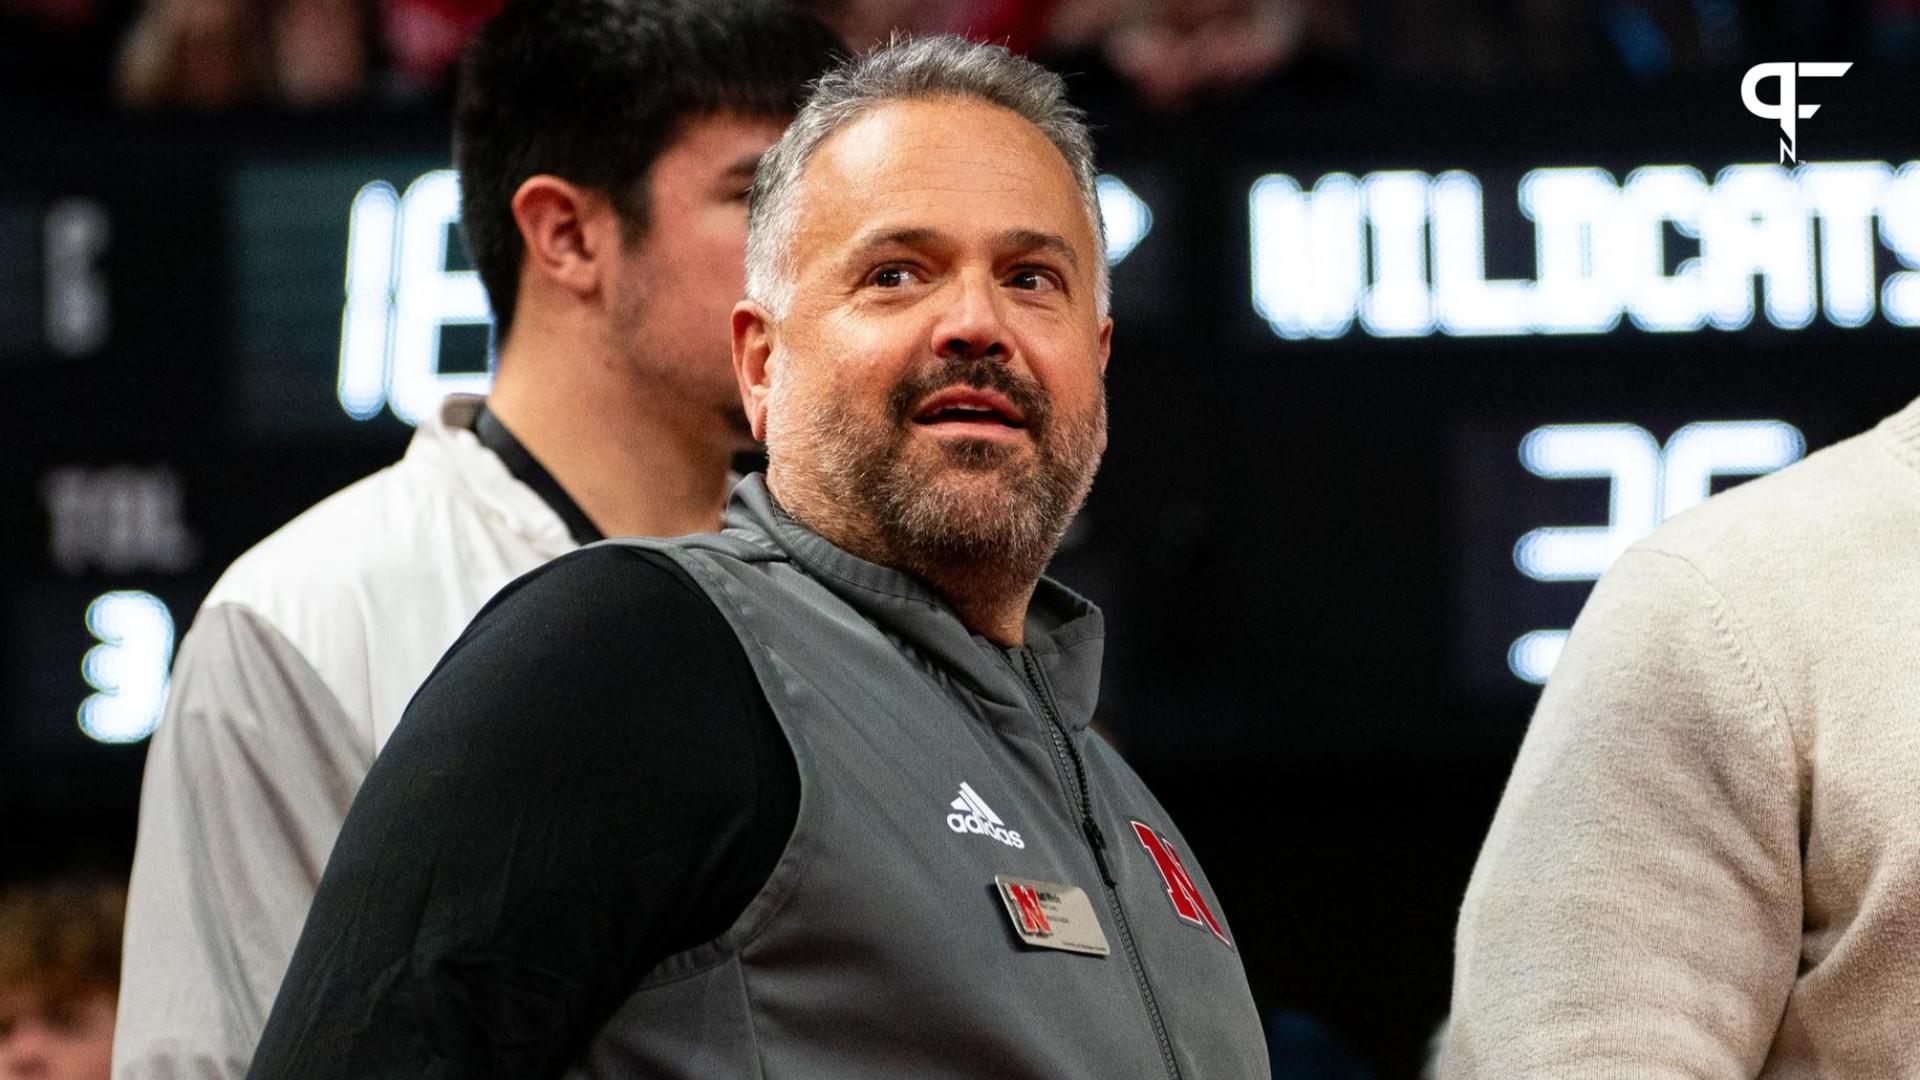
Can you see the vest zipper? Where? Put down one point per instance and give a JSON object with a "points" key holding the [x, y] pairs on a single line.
{"points": [[1064, 749]]}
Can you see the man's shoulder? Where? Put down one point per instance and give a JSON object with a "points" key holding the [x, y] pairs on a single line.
{"points": [[613, 583], [371, 528], [1853, 501], [585, 636], [1765, 576], [371, 584]]}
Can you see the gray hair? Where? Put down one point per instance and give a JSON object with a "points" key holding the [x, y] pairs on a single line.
{"points": [[907, 69]]}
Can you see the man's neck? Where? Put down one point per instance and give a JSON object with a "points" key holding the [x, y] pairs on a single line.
{"points": [[990, 597], [989, 601], [636, 466]]}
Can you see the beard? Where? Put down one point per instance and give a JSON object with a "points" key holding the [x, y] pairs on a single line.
{"points": [[943, 506]]}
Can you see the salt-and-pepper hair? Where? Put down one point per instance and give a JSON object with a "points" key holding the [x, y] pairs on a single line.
{"points": [[908, 69]]}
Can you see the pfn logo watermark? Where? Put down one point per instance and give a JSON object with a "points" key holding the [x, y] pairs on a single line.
{"points": [[1788, 111]]}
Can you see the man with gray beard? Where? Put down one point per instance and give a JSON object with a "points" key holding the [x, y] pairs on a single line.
{"points": [[815, 796]]}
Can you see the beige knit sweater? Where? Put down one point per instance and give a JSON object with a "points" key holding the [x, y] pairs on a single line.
{"points": [[1707, 861]]}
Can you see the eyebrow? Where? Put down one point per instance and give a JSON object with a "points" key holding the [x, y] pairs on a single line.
{"points": [[1017, 239], [911, 237], [746, 166], [1032, 240]]}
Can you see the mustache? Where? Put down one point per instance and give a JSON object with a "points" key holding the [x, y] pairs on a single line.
{"points": [[983, 373]]}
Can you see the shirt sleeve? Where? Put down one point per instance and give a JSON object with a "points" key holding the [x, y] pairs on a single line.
{"points": [[590, 782], [1636, 909], [247, 782]]}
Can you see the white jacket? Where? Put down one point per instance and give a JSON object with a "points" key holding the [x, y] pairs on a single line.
{"points": [[294, 674]]}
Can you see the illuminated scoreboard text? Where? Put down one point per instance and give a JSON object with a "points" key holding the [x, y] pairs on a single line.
{"points": [[1404, 254]]}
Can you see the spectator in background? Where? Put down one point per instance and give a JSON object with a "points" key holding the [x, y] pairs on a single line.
{"points": [[322, 52], [605, 149], [1170, 53], [423, 38], [1175, 55], [212, 55], [59, 979], [1020, 25], [1174, 52], [196, 54]]}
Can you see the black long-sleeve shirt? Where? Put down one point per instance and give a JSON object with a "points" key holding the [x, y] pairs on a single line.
{"points": [[590, 781]]}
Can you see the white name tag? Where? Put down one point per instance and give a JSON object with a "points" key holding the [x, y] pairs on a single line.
{"points": [[1052, 916]]}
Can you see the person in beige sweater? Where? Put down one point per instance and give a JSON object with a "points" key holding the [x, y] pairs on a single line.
{"points": [[1707, 860]]}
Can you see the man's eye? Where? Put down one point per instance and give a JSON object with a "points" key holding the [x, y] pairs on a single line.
{"points": [[1032, 280], [892, 277]]}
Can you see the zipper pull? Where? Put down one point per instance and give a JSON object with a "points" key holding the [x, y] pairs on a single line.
{"points": [[1098, 841]]}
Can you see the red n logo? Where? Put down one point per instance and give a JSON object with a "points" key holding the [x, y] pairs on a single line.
{"points": [[1033, 919], [1187, 901]]}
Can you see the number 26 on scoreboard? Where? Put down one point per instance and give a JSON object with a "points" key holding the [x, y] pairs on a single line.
{"points": [[1647, 484]]}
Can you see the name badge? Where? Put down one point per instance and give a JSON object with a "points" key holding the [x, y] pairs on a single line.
{"points": [[1049, 915]]}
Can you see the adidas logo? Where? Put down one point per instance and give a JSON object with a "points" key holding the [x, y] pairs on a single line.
{"points": [[973, 815]]}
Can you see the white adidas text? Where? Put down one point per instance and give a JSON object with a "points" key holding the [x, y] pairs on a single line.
{"points": [[973, 815]]}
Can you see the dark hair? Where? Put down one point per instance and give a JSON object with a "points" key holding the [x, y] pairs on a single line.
{"points": [[61, 939], [594, 90]]}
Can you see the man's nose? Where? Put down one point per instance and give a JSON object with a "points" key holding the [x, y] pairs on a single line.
{"points": [[972, 325]]}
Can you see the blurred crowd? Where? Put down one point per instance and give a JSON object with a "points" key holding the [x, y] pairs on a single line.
{"points": [[211, 55], [59, 978]]}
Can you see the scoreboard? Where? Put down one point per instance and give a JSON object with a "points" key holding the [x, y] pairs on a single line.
{"points": [[1391, 388]]}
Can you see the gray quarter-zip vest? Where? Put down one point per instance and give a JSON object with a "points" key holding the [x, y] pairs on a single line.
{"points": [[880, 946]]}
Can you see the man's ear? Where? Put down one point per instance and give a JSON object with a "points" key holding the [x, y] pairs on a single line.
{"points": [[566, 230], [1106, 342], [755, 337]]}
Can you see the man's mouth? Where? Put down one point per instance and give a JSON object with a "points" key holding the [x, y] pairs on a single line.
{"points": [[963, 407]]}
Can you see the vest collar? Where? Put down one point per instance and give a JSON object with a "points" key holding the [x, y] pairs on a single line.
{"points": [[1064, 632]]}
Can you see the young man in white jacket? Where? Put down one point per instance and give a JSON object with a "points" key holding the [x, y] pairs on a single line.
{"points": [[605, 149]]}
